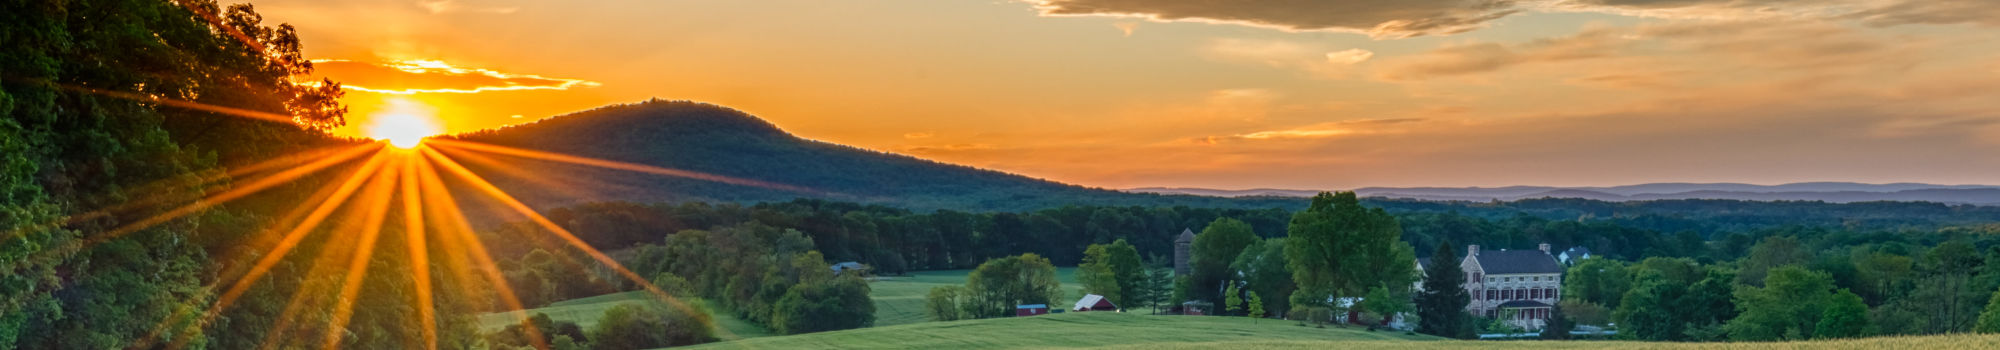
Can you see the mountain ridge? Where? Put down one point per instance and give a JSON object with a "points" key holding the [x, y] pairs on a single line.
{"points": [[1835, 192]]}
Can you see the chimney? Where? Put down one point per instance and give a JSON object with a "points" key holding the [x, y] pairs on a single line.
{"points": [[1545, 249], [1472, 250]]}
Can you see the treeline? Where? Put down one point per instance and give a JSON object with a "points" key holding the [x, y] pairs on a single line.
{"points": [[1794, 287]]}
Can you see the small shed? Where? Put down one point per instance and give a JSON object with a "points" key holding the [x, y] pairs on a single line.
{"points": [[1094, 302], [1031, 309]]}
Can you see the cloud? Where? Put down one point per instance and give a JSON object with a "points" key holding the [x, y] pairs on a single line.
{"points": [[1349, 56], [1286, 54], [1383, 19], [1322, 130], [1470, 58], [430, 76], [446, 6], [1396, 19], [1126, 27]]}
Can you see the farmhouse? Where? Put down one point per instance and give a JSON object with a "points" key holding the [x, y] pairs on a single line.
{"points": [[1094, 302], [1517, 286], [1571, 256], [1520, 286]]}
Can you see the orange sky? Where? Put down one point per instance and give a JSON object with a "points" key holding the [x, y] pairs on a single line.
{"points": [[1280, 93]]}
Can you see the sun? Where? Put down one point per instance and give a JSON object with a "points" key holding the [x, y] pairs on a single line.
{"points": [[404, 124]]}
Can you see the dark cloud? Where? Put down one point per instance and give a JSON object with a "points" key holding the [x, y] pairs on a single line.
{"points": [[1377, 18]]}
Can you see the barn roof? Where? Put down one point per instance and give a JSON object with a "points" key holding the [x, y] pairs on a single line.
{"points": [[1090, 301], [1517, 261]]}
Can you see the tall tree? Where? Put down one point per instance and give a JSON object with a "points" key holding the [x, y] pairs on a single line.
{"points": [[1213, 250], [1336, 248], [1441, 304], [1597, 280], [1232, 298], [1000, 284], [1112, 270], [1770, 253], [1262, 267], [1989, 320], [1256, 306]]}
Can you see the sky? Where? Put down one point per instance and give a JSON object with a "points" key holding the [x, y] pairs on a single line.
{"points": [[1304, 94]]}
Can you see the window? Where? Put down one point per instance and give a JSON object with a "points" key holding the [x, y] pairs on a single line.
{"points": [[1535, 293], [1489, 294]]}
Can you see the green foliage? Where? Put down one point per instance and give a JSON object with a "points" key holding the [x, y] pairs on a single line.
{"points": [[1770, 253], [943, 303], [1097, 276], [1336, 248], [1256, 306], [1441, 304], [1661, 307], [1845, 317], [1385, 302], [998, 285], [516, 335], [1213, 249], [1789, 306], [1263, 270], [1989, 320], [1232, 299], [641, 327], [1559, 325], [822, 305]]}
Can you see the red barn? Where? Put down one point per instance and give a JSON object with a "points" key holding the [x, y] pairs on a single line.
{"points": [[1031, 309], [1094, 302]]}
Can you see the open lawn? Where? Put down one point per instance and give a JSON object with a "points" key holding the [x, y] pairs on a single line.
{"points": [[1883, 343], [1082, 329], [900, 299], [586, 311]]}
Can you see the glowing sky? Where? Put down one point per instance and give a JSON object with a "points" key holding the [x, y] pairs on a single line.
{"points": [[1236, 94]]}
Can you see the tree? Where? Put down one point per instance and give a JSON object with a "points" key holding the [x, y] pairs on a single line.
{"points": [[993, 289], [633, 326], [1256, 306], [1262, 267], [1336, 248], [1989, 320], [1788, 307], [1559, 325], [944, 303], [1386, 302], [1770, 253], [824, 305], [1098, 279], [1597, 280], [1212, 251], [1845, 317], [1232, 299], [1441, 304]]}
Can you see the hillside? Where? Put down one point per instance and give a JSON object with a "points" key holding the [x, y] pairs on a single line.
{"points": [[717, 140], [1088, 329]]}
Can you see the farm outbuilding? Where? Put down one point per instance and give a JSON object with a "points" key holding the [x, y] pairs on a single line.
{"points": [[1094, 302], [1031, 309]]}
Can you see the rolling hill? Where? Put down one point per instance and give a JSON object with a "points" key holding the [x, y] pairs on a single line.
{"points": [[717, 140]]}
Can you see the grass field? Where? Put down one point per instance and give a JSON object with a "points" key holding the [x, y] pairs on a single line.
{"points": [[1953, 342], [586, 311], [1085, 329], [1129, 331], [900, 300]]}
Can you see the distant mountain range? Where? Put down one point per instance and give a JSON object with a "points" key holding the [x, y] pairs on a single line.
{"points": [[1834, 192]]}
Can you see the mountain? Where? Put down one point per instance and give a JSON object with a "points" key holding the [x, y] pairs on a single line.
{"points": [[1834, 192], [716, 140]]}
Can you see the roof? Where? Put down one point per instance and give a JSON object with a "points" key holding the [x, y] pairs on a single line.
{"points": [[1523, 304], [1089, 301], [1187, 236], [1517, 261], [1577, 251], [1033, 306]]}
